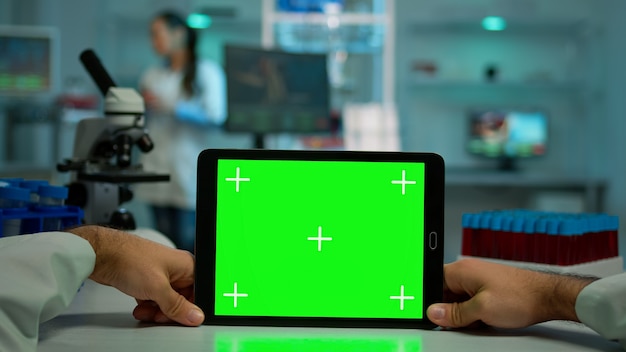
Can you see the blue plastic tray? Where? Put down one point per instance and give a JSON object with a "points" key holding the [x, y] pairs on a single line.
{"points": [[33, 218]]}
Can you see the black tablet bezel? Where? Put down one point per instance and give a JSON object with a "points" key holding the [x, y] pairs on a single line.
{"points": [[206, 234]]}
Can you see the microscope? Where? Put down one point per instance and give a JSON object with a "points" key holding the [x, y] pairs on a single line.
{"points": [[102, 165]]}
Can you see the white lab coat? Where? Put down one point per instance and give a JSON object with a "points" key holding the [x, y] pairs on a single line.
{"points": [[177, 143], [602, 307], [41, 273]]}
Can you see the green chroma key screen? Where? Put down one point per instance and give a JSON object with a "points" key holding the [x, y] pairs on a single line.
{"points": [[340, 239]]}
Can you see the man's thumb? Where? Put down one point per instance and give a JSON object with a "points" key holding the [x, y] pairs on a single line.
{"points": [[452, 315], [178, 308]]}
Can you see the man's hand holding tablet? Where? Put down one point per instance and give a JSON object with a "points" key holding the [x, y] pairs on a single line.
{"points": [[299, 238]]}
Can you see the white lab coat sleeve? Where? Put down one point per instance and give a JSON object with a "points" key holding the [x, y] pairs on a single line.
{"points": [[208, 107], [213, 81], [602, 306], [40, 275]]}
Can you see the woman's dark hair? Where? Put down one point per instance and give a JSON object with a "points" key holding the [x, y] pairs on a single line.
{"points": [[173, 21]]}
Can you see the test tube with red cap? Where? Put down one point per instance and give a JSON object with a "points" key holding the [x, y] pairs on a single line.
{"points": [[486, 236], [552, 241], [612, 228], [530, 237], [593, 243], [541, 240], [476, 235], [518, 238], [569, 229], [496, 231], [468, 234], [505, 240]]}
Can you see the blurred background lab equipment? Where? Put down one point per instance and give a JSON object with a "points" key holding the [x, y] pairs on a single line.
{"points": [[102, 165]]}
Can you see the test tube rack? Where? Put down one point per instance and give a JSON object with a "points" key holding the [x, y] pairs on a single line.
{"points": [[32, 218], [558, 242]]}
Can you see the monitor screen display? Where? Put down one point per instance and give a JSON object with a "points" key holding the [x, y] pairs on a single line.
{"points": [[26, 59], [508, 133], [275, 91], [279, 243]]}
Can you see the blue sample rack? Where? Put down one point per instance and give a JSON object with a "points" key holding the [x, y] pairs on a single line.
{"points": [[32, 218]]}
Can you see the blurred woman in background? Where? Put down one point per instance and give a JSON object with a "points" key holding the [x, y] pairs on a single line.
{"points": [[184, 97]]}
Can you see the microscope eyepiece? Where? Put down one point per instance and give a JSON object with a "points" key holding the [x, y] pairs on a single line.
{"points": [[96, 70]]}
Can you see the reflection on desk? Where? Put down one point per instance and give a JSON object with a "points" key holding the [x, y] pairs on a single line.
{"points": [[100, 319], [119, 332]]}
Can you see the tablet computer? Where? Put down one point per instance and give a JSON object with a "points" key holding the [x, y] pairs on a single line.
{"points": [[328, 239]]}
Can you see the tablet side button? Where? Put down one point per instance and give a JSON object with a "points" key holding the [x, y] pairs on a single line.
{"points": [[432, 240]]}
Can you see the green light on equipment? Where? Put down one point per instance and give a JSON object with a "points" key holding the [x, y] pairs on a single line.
{"points": [[199, 21], [494, 23]]}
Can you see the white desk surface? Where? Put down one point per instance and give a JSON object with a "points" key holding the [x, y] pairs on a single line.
{"points": [[100, 319]]}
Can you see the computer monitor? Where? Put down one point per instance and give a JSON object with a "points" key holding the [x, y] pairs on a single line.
{"points": [[507, 134], [271, 91], [28, 60]]}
